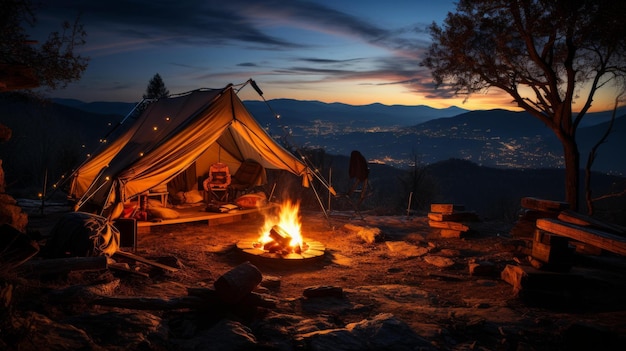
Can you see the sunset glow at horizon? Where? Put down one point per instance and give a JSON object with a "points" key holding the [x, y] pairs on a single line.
{"points": [[316, 51]]}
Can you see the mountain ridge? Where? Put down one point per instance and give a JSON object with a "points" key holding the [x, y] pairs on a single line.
{"points": [[497, 137]]}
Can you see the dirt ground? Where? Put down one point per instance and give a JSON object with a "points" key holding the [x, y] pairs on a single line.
{"points": [[398, 275]]}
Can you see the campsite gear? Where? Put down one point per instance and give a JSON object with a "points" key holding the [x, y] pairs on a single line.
{"points": [[80, 234], [252, 200], [359, 171], [218, 181], [246, 177], [173, 134]]}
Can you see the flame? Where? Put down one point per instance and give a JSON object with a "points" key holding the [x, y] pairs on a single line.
{"points": [[288, 219]]}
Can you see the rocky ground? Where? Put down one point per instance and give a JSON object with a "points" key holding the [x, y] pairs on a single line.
{"points": [[408, 290]]}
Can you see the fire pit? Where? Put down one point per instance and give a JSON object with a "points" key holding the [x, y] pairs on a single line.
{"points": [[280, 240]]}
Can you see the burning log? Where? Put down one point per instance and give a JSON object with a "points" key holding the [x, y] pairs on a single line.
{"points": [[281, 241], [280, 236]]}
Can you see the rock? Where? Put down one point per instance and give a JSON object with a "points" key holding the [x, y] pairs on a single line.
{"points": [[12, 214], [133, 330], [331, 339], [271, 282], [393, 293], [383, 332], [226, 335], [40, 330], [323, 291], [386, 332], [368, 234], [405, 249], [482, 268], [439, 261], [341, 260], [450, 253]]}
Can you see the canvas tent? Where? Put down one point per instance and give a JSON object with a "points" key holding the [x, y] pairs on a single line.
{"points": [[172, 136]]}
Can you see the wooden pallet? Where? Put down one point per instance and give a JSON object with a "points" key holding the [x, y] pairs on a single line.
{"points": [[601, 239]]}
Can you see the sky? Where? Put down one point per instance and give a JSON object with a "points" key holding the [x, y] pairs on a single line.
{"points": [[353, 52]]}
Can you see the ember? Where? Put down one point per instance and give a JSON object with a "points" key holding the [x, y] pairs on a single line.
{"points": [[282, 242]]}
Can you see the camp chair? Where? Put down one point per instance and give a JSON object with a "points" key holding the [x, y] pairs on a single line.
{"points": [[218, 181], [246, 177], [359, 171]]}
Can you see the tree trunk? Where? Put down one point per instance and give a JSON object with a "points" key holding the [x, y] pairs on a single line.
{"points": [[572, 172]]}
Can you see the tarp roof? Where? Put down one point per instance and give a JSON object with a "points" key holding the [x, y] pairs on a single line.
{"points": [[170, 135]]}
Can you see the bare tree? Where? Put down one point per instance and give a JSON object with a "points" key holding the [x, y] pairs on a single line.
{"points": [[25, 63], [545, 54], [591, 159]]}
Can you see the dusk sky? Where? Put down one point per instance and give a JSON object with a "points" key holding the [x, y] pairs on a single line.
{"points": [[354, 52]]}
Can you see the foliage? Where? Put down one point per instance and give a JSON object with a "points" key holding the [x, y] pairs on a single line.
{"points": [[54, 62], [156, 88], [544, 54]]}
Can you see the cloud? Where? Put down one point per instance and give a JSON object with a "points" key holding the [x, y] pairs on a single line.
{"points": [[243, 28], [247, 64], [190, 22]]}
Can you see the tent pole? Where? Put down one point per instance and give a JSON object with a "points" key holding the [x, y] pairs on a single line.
{"points": [[330, 183], [43, 192], [272, 192], [319, 200]]}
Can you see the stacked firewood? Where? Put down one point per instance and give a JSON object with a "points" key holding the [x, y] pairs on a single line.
{"points": [[556, 234], [450, 219], [533, 209]]}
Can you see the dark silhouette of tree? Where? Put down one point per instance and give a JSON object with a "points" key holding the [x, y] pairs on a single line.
{"points": [[544, 54], [26, 64], [156, 88]]}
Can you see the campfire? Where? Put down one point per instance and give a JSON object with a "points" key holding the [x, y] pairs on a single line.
{"points": [[280, 237]]}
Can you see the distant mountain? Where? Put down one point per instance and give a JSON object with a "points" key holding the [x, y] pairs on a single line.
{"points": [[343, 116], [400, 135], [596, 118], [298, 112], [99, 107]]}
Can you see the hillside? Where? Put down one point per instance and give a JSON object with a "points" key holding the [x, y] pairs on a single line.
{"points": [[52, 138], [399, 135], [47, 139]]}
